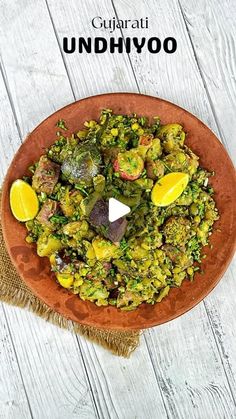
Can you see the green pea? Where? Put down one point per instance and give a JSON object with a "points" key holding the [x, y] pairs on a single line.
{"points": [[193, 209], [204, 227], [135, 126], [81, 134], [29, 239], [169, 144], [114, 132], [181, 157], [140, 131], [209, 215], [190, 271]]}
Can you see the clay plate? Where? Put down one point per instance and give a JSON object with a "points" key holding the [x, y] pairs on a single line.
{"points": [[35, 271]]}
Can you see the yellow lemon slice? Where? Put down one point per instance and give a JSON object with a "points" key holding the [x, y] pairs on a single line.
{"points": [[169, 188], [23, 201]]}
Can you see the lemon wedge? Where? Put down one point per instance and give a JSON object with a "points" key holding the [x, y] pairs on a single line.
{"points": [[169, 188], [23, 201]]}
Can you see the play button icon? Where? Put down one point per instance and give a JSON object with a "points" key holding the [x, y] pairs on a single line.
{"points": [[117, 210]]}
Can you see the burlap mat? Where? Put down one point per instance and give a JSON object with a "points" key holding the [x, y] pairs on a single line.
{"points": [[14, 291]]}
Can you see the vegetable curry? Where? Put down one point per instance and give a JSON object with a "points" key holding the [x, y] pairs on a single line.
{"points": [[135, 259]]}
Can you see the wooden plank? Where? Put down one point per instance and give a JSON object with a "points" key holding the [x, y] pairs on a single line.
{"points": [[35, 72], [174, 77], [181, 82], [52, 368], [215, 24], [126, 388], [13, 398], [90, 74], [190, 372], [220, 307], [9, 135], [211, 26]]}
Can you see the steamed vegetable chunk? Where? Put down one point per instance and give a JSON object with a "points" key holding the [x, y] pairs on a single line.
{"points": [[82, 165], [65, 279], [180, 161], [155, 169], [172, 136], [77, 229], [138, 258], [70, 201], [48, 244], [94, 291], [45, 176], [104, 249], [155, 151], [129, 165], [48, 209], [177, 230]]}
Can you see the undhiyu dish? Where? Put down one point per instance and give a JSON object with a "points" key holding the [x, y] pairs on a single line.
{"points": [[144, 165]]}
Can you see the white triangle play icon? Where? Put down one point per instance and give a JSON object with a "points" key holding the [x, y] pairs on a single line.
{"points": [[117, 210]]}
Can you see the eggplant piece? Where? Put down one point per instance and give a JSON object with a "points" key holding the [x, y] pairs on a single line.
{"points": [[48, 209], [117, 229], [113, 293], [82, 165], [99, 214], [45, 176], [99, 218]]}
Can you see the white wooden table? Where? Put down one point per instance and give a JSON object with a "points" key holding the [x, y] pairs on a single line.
{"points": [[183, 369]]}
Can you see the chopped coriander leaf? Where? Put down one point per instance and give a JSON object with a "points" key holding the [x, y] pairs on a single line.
{"points": [[58, 219], [61, 124], [82, 189]]}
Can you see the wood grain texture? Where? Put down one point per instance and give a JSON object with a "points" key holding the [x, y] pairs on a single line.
{"points": [[211, 26], [66, 392], [36, 75], [124, 388], [189, 371], [52, 368], [187, 367], [212, 30], [90, 74], [9, 134], [13, 397], [171, 76]]}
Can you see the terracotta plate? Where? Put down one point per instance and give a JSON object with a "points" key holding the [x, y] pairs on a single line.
{"points": [[35, 271]]}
